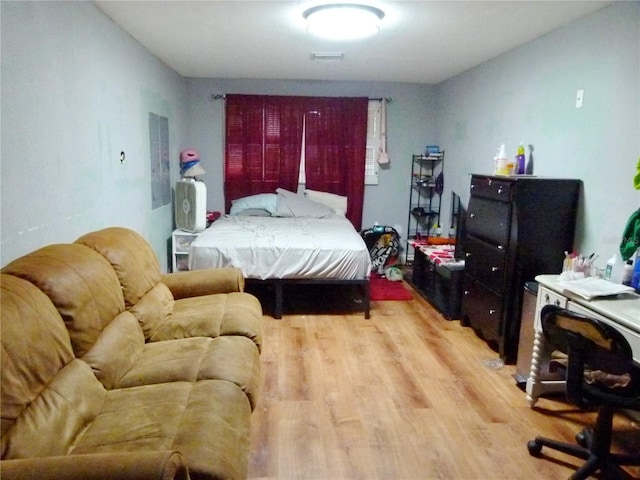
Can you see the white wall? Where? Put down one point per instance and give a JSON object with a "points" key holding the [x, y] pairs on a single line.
{"points": [[411, 125], [76, 91], [525, 95], [530, 93]]}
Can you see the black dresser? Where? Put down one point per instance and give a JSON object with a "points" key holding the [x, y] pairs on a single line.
{"points": [[516, 228]]}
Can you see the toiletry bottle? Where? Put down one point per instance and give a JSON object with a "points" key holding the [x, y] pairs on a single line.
{"points": [[613, 270], [627, 272], [520, 160], [501, 161], [635, 278]]}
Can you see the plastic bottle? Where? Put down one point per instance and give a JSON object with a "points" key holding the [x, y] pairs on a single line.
{"points": [[627, 273], [613, 270], [635, 278], [520, 160], [501, 161]]}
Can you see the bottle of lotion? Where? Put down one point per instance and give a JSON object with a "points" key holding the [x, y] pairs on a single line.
{"points": [[501, 161]]}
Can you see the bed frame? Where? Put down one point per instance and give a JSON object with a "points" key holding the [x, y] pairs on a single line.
{"points": [[279, 283]]}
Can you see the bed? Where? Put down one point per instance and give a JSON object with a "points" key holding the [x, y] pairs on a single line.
{"points": [[286, 238]]}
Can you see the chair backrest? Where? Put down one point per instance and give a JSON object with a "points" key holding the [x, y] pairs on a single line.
{"points": [[589, 344]]}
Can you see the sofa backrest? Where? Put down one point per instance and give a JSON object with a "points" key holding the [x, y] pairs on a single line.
{"points": [[86, 292], [41, 380], [136, 265], [79, 282], [130, 255]]}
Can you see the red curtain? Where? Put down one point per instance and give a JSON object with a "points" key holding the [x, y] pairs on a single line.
{"points": [[263, 145], [335, 149], [264, 139]]}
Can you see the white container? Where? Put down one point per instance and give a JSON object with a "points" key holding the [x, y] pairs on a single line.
{"points": [[627, 273], [613, 270], [501, 162]]}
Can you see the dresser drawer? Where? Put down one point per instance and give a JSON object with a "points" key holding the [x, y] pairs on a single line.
{"points": [[482, 308], [485, 262], [493, 188], [489, 219]]}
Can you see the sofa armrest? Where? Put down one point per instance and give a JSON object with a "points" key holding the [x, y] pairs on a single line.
{"points": [[196, 283], [152, 465]]}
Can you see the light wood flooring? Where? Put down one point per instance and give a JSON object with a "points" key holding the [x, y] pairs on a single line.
{"points": [[403, 395]]}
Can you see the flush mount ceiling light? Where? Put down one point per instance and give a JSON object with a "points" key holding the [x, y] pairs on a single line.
{"points": [[343, 21]]}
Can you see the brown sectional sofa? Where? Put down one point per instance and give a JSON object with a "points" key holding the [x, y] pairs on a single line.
{"points": [[113, 368]]}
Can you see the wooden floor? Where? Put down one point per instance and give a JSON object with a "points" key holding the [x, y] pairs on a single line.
{"points": [[403, 395]]}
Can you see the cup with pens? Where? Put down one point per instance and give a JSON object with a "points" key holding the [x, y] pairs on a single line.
{"points": [[577, 266]]}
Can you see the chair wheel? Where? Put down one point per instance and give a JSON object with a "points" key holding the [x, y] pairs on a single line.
{"points": [[534, 448], [581, 439]]}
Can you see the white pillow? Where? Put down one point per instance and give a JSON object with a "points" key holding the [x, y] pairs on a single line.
{"points": [[264, 201], [293, 205], [336, 202]]}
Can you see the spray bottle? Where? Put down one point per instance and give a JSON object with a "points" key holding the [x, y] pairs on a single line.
{"points": [[520, 160]]}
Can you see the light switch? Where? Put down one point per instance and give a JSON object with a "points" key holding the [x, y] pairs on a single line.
{"points": [[579, 98]]}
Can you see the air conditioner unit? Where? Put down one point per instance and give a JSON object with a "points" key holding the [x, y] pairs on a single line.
{"points": [[191, 205]]}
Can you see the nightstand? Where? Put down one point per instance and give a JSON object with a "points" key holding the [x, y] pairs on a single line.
{"points": [[180, 243]]}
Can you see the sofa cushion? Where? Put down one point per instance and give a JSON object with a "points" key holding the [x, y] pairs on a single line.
{"points": [[35, 345], [120, 359], [153, 309], [235, 359], [117, 350], [208, 422], [79, 282], [132, 258], [52, 423], [138, 271], [232, 358], [235, 313]]}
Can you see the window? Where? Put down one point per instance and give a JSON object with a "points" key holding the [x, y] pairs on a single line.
{"points": [[265, 139], [374, 142]]}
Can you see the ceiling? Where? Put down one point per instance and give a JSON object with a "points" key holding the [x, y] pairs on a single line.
{"points": [[419, 42]]}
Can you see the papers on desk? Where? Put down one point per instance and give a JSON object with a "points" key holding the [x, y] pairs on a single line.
{"points": [[592, 287]]}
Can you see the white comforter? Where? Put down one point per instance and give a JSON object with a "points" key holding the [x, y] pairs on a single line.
{"points": [[273, 247]]}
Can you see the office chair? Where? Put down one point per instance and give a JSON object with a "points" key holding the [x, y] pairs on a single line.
{"points": [[598, 356]]}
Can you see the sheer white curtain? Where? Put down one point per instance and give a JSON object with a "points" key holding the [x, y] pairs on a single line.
{"points": [[376, 139]]}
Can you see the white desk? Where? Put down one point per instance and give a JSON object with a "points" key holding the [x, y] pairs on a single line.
{"points": [[621, 311]]}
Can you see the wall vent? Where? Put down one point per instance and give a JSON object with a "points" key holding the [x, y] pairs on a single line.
{"points": [[327, 56]]}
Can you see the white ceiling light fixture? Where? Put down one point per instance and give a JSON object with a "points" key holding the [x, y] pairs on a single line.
{"points": [[343, 21]]}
